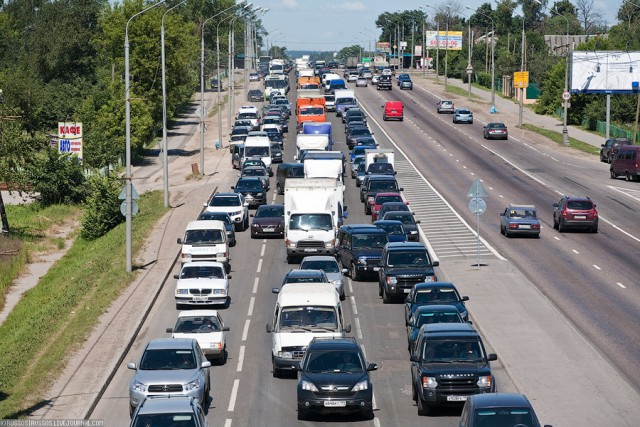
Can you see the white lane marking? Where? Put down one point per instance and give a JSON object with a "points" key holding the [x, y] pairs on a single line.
{"points": [[227, 422], [259, 266], [234, 395], [255, 285], [490, 188], [264, 247], [350, 287], [574, 251], [501, 196], [353, 305], [240, 359], [376, 422], [245, 331], [621, 285], [358, 329], [620, 190], [274, 197], [251, 304], [596, 267], [556, 237]]}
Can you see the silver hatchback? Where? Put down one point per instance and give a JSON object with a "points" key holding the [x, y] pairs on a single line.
{"points": [[462, 115]]}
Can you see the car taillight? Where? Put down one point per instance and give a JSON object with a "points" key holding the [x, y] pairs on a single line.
{"points": [[513, 226], [535, 226], [564, 214]]}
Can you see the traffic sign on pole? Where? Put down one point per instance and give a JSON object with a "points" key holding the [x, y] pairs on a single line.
{"points": [[566, 95], [477, 190], [477, 206]]}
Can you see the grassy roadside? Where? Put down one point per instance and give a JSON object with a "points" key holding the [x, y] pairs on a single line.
{"points": [[60, 312], [462, 92], [557, 138], [30, 224]]}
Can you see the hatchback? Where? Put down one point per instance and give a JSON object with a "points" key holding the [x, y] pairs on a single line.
{"points": [[362, 82], [445, 106], [498, 409], [462, 115], [575, 212], [495, 131]]}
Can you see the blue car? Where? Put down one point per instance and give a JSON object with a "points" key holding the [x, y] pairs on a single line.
{"points": [[433, 293], [394, 229], [404, 81]]}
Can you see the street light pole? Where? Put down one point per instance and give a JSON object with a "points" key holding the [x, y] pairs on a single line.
{"points": [[165, 157], [493, 57], [521, 106], [446, 52], [128, 175]]}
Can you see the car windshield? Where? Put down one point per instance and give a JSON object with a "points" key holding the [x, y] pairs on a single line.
{"points": [[206, 272], [240, 131], [447, 351], [248, 116], [308, 222], [377, 240], [270, 212], [358, 160], [437, 317], [436, 295], [393, 207], [329, 98], [180, 419], [305, 278], [253, 172], [256, 151], [215, 216], [197, 325], [418, 258], [365, 141], [522, 213], [360, 131], [256, 162], [379, 185], [328, 266], [225, 201], [167, 359], [380, 167], [580, 205], [391, 228], [308, 317], [343, 101], [203, 237], [334, 361], [313, 111], [404, 218], [249, 185], [504, 417]]}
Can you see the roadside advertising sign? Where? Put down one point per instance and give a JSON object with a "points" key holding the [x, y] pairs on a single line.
{"points": [[70, 138], [435, 38]]}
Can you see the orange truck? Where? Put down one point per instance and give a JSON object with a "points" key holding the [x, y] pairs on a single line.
{"points": [[309, 83], [311, 110]]}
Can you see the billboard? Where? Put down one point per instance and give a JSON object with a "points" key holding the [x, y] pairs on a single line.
{"points": [[604, 72], [417, 50], [383, 47], [435, 39], [70, 138]]}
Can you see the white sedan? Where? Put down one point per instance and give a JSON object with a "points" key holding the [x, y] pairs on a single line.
{"points": [[206, 327], [362, 82], [202, 283]]}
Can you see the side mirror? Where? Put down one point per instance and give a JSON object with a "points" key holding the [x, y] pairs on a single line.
{"points": [[206, 364], [347, 329], [470, 322], [602, 145], [169, 330], [401, 189], [372, 367], [229, 276], [269, 328], [275, 290], [435, 263], [464, 298], [131, 365], [179, 240], [176, 276], [415, 358], [501, 213], [418, 221], [205, 205], [245, 204], [225, 329], [492, 357], [345, 270]]}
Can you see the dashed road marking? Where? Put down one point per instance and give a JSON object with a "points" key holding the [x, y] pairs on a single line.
{"points": [[245, 331], [264, 247], [259, 266], [575, 251], [255, 285], [621, 285], [251, 304], [596, 267], [240, 359], [234, 395]]}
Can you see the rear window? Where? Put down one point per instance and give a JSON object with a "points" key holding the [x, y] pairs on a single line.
{"points": [[580, 205]]}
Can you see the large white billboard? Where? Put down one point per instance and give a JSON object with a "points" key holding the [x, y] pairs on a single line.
{"points": [[605, 72]]}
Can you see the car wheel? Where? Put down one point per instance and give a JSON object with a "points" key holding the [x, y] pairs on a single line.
{"points": [[602, 159], [594, 229], [303, 414], [386, 299], [555, 223], [402, 119], [561, 226], [627, 176], [290, 259], [506, 233], [246, 223], [355, 275], [423, 407], [414, 394], [357, 182], [612, 174], [609, 159], [471, 122], [237, 226], [501, 230], [384, 118]]}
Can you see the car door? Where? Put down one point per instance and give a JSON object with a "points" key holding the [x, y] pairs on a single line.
{"points": [[558, 209], [504, 219]]}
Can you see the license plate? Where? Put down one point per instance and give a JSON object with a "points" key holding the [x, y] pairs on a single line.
{"points": [[457, 398], [200, 298], [525, 226], [311, 250], [335, 403], [580, 217], [268, 230], [406, 291]]}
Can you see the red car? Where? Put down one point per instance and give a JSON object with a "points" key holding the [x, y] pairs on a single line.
{"points": [[383, 198]]}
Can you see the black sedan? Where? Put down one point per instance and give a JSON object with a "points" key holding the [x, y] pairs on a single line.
{"points": [[432, 293], [255, 95], [268, 221], [409, 223]]}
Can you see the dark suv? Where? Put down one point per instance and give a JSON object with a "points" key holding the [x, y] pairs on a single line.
{"points": [[610, 147], [334, 377], [374, 184], [575, 212], [404, 264], [360, 248], [253, 190], [449, 364], [384, 82]]}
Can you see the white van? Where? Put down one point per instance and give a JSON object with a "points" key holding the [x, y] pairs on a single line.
{"points": [[302, 312], [259, 147], [205, 241]]}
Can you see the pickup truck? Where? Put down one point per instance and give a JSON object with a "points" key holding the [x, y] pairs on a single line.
{"points": [[384, 82]]}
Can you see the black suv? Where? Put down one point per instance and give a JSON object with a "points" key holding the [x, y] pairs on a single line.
{"points": [[449, 364], [374, 184], [286, 171], [384, 82], [253, 190], [334, 377], [360, 248], [404, 264]]}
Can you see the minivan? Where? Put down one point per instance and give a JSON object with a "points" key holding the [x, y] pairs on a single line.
{"points": [[626, 163], [286, 171], [393, 110]]}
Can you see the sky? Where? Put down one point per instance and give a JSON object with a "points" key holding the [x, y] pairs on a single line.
{"points": [[325, 25]]}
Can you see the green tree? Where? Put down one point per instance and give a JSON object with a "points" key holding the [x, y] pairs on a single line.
{"points": [[102, 211], [59, 178]]}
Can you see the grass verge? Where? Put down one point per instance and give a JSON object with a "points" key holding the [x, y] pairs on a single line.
{"points": [[557, 138], [30, 232], [461, 92], [61, 311]]}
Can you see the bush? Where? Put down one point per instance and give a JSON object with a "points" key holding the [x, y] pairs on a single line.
{"points": [[483, 79], [102, 208], [59, 178]]}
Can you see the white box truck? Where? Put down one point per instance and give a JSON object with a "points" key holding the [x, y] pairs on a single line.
{"points": [[313, 212], [381, 155], [324, 164], [306, 142]]}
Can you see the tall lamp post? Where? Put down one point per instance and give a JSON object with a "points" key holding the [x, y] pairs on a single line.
{"points": [[128, 175], [565, 103], [493, 68], [165, 157], [437, 42], [446, 52], [521, 107]]}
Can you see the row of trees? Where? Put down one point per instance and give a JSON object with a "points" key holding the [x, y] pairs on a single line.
{"points": [[64, 61], [545, 68]]}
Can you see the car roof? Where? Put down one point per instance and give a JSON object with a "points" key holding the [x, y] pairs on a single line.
{"points": [[499, 400], [318, 258], [166, 405], [200, 224], [436, 285], [226, 195], [405, 245], [389, 193], [448, 328], [362, 228], [195, 313], [388, 222], [395, 204], [321, 294], [441, 308], [170, 344], [306, 272], [334, 344], [518, 206]]}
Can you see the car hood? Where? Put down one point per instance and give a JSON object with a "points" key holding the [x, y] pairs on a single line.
{"points": [[177, 376], [268, 221], [202, 283]]}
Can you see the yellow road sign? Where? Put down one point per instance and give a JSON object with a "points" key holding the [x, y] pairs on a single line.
{"points": [[521, 79]]}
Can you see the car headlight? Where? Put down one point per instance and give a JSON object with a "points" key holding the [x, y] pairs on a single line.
{"points": [[429, 382], [362, 261], [329, 245], [306, 385], [370, 199], [285, 354], [464, 314], [484, 381], [413, 232], [236, 213], [392, 280], [216, 345], [255, 225], [193, 385], [337, 282], [182, 291], [138, 386], [362, 385], [219, 291], [430, 279], [259, 195]]}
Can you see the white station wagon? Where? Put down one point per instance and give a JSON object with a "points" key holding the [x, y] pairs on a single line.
{"points": [[206, 327]]}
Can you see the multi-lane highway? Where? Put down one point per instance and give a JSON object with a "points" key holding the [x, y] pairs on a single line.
{"points": [[591, 278]]}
